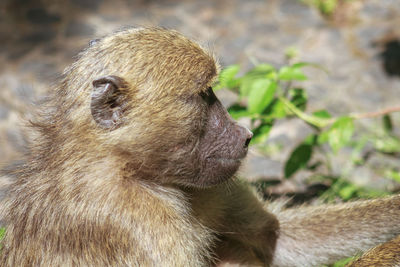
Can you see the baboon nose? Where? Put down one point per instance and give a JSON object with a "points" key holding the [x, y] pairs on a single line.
{"points": [[244, 135], [246, 144], [249, 135]]}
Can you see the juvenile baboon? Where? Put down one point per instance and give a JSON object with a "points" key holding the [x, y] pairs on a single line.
{"points": [[133, 166]]}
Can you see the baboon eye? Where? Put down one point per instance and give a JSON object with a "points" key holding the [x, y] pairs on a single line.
{"points": [[208, 96]]}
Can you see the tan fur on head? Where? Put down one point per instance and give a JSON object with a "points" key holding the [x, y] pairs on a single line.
{"points": [[156, 102]]}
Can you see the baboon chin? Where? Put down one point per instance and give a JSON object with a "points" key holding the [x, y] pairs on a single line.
{"points": [[130, 165]]}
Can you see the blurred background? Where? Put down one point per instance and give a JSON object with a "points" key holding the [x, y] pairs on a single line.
{"points": [[356, 42]]}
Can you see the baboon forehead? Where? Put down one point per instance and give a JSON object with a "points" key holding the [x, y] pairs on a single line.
{"points": [[161, 55], [165, 44]]}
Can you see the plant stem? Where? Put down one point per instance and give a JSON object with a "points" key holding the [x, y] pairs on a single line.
{"points": [[376, 113]]}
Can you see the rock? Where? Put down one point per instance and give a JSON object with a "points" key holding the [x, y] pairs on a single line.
{"points": [[41, 16]]}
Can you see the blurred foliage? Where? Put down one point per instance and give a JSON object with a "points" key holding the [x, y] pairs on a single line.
{"points": [[345, 190], [342, 263], [325, 7], [267, 94], [2, 233]]}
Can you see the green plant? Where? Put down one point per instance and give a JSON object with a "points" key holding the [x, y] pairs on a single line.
{"points": [[343, 262], [267, 94], [2, 233], [325, 7]]}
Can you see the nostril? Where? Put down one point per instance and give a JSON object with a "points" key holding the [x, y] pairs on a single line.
{"points": [[248, 135], [246, 144], [244, 134]]}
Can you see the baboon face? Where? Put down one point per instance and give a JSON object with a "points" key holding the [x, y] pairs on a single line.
{"points": [[166, 116], [223, 144]]}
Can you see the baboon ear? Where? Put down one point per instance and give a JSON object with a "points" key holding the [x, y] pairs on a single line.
{"points": [[108, 101]]}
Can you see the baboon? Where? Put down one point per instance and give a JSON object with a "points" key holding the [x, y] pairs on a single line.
{"points": [[134, 165]]}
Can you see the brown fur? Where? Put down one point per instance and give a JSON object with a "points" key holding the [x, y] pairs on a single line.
{"points": [[385, 255], [132, 167]]}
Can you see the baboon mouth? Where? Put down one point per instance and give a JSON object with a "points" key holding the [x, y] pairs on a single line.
{"points": [[231, 160], [226, 161]]}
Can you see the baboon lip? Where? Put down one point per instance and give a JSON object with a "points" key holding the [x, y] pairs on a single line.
{"points": [[229, 159], [226, 159]]}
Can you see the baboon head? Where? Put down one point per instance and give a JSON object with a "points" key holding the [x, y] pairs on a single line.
{"points": [[147, 99]]}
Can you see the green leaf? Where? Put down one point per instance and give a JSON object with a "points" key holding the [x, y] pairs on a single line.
{"points": [[343, 262], [347, 191], [278, 110], [323, 137], [356, 154], [272, 76], [304, 64], [327, 7], [294, 72], [371, 193], [237, 111], [261, 95], [387, 144], [387, 123], [311, 139], [261, 71], [298, 97], [299, 158], [394, 175], [245, 86], [322, 114], [2, 233], [227, 77], [261, 133], [340, 133]]}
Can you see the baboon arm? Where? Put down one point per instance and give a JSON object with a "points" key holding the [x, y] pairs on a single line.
{"points": [[247, 232], [311, 236]]}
